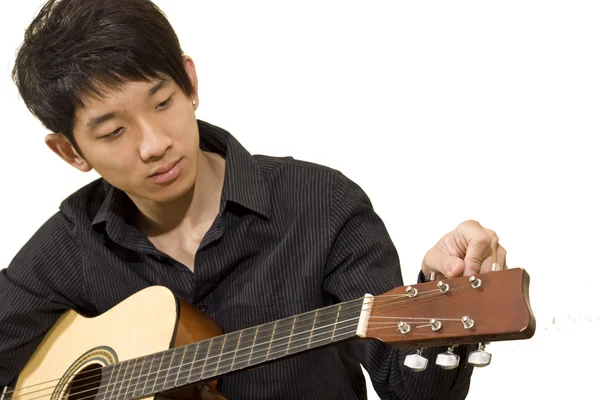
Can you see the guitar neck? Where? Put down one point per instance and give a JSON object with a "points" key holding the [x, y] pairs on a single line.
{"points": [[208, 359]]}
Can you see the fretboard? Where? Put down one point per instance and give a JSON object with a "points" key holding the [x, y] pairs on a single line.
{"points": [[234, 351]]}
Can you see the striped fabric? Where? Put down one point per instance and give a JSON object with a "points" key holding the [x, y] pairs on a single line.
{"points": [[290, 237]]}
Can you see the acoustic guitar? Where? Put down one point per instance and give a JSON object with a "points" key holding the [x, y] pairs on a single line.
{"points": [[171, 350]]}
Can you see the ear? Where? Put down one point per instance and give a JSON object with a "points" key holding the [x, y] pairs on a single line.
{"points": [[190, 69], [59, 144]]}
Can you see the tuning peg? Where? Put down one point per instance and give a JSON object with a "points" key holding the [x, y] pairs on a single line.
{"points": [[416, 362], [448, 360], [480, 358]]}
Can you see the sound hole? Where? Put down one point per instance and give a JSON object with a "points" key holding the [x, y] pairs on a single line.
{"points": [[86, 383]]}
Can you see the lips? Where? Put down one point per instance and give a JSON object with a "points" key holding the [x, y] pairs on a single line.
{"points": [[167, 173], [164, 169]]}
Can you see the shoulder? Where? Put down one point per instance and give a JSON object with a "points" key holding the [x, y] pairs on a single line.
{"points": [[288, 171], [299, 175], [84, 204]]}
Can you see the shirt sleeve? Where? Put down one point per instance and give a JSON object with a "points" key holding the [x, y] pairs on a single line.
{"points": [[363, 260], [42, 281]]}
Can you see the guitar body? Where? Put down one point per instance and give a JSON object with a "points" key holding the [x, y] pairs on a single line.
{"points": [[153, 344], [150, 321]]}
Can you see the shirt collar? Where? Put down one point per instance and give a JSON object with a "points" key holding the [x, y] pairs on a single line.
{"points": [[244, 183]]}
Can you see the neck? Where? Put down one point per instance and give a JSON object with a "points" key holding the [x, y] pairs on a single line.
{"points": [[208, 359], [194, 208]]}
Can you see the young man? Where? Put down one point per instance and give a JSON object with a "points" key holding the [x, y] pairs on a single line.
{"points": [[246, 239]]}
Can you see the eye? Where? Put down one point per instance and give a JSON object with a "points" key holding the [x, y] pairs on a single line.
{"points": [[164, 103], [114, 133]]}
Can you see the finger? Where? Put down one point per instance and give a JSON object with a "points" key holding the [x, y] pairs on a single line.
{"points": [[443, 264], [479, 247], [495, 257], [499, 259]]}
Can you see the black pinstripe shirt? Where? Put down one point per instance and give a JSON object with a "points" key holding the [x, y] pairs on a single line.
{"points": [[290, 237]]}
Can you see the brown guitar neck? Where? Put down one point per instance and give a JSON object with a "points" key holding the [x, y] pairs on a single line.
{"points": [[220, 355]]}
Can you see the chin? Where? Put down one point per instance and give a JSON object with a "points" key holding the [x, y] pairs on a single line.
{"points": [[173, 192]]}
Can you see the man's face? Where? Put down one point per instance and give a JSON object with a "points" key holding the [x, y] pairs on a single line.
{"points": [[142, 138]]}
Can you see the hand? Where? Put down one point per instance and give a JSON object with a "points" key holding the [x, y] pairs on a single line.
{"points": [[469, 249]]}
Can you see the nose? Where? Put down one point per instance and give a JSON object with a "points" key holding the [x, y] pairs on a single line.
{"points": [[154, 142]]}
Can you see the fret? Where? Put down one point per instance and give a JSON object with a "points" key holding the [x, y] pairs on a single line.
{"points": [[322, 327], [141, 375], [301, 332], [199, 352], [253, 343], [198, 366], [147, 373], [245, 346], [185, 365], [261, 343], [282, 337], [347, 324], [117, 380], [251, 346], [192, 362], [206, 358], [108, 383], [312, 329], [162, 356], [169, 371], [221, 358], [337, 317], [271, 340], [289, 342], [237, 347], [134, 378], [213, 357], [335, 323], [124, 380], [163, 371]]}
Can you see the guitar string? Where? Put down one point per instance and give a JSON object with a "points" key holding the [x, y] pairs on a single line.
{"points": [[333, 309], [375, 305], [329, 310]]}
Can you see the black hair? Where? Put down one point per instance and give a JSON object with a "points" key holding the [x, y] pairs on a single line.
{"points": [[74, 48]]}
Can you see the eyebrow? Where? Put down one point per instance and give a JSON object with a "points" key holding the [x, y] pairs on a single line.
{"points": [[94, 122], [161, 84]]}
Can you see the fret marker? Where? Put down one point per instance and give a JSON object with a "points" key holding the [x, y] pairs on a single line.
{"points": [[365, 314]]}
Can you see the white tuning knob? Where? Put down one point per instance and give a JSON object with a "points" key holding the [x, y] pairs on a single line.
{"points": [[447, 360], [480, 358], [416, 362]]}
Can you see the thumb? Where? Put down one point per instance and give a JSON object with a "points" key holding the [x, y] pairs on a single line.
{"points": [[474, 258], [452, 266], [440, 262]]}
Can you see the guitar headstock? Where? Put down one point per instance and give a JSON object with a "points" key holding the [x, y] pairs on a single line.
{"points": [[484, 308]]}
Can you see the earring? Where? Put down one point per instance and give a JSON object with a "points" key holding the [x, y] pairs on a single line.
{"points": [[194, 102]]}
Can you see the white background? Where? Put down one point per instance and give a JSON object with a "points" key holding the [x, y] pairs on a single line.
{"points": [[442, 111]]}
